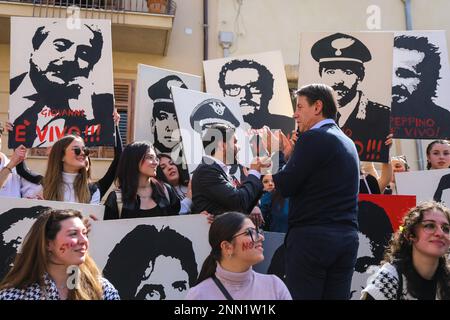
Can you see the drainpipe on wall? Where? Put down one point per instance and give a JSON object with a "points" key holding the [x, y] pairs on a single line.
{"points": [[205, 29], [408, 20]]}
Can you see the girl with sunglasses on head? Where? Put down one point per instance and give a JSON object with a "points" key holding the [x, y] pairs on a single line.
{"points": [[227, 272], [102, 184], [139, 194], [416, 264]]}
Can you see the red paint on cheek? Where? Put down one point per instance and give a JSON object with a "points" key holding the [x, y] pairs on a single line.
{"points": [[66, 246], [247, 245]]}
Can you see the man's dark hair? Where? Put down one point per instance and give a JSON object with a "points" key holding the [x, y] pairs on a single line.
{"points": [[374, 222], [265, 79], [322, 92], [93, 56], [356, 67], [214, 134], [429, 67], [130, 258], [7, 219]]}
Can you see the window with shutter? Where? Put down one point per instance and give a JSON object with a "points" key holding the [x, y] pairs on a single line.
{"points": [[124, 103]]}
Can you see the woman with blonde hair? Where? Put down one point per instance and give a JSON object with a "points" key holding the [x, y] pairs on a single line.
{"points": [[54, 263], [66, 178]]}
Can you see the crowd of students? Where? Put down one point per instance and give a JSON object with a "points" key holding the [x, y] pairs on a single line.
{"points": [[149, 185]]}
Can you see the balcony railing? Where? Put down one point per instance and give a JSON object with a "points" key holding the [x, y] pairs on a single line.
{"points": [[91, 8]]}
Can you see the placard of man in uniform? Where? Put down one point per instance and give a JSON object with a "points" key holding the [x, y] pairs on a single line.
{"points": [[342, 64], [421, 78]]}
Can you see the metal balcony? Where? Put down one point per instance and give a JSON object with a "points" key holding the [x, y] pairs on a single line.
{"points": [[134, 28]]}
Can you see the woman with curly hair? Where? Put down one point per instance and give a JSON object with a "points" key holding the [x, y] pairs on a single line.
{"points": [[418, 252]]}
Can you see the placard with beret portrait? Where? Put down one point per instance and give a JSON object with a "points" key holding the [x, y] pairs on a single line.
{"points": [[358, 66]]}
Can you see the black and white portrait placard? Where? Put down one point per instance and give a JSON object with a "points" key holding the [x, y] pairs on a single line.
{"points": [[151, 258], [61, 81], [155, 118], [258, 82], [358, 66], [425, 185], [18, 215], [420, 86], [196, 111]]}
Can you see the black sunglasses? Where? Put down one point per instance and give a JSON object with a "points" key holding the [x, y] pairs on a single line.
{"points": [[77, 151]]}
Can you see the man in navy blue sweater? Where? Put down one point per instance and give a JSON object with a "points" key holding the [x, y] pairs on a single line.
{"points": [[321, 179]]}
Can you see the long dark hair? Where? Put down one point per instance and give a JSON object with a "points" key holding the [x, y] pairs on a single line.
{"points": [[400, 249], [32, 262], [224, 227], [430, 146]]}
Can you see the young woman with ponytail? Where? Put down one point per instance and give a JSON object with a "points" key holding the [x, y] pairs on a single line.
{"points": [[227, 272]]}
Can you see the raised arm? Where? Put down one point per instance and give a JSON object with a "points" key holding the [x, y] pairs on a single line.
{"points": [[106, 181]]}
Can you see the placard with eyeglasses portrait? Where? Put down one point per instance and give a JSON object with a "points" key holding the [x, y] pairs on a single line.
{"points": [[155, 119]]}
